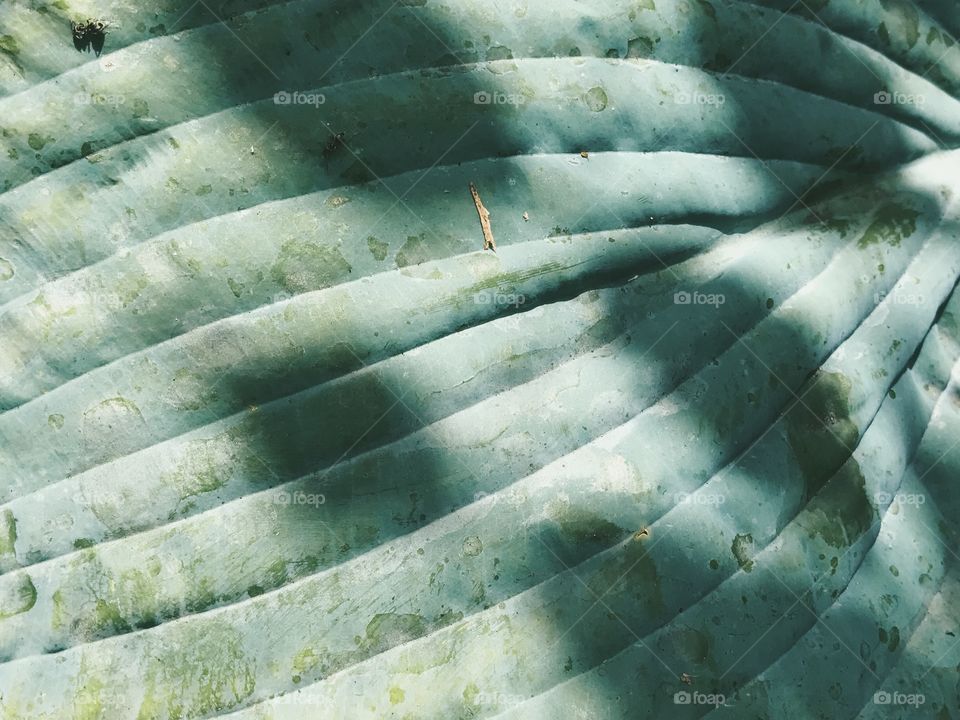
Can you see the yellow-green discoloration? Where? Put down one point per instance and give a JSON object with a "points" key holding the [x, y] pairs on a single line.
{"points": [[304, 662], [24, 597], [202, 671], [89, 702], [8, 533]]}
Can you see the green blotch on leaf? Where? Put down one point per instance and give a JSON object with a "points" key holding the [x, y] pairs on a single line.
{"points": [[894, 640], [396, 695], [583, 526], [708, 9], [820, 430], [386, 630], [6, 270], [634, 572], [890, 225], [378, 248], [904, 21], [841, 512], [742, 549], [302, 266], [305, 661], [692, 644], [107, 620], [417, 249], [18, 599], [9, 45], [276, 573], [202, 471], [140, 108], [499, 52], [130, 286], [37, 141], [82, 543]]}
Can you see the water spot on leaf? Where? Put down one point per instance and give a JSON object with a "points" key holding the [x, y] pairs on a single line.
{"points": [[596, 99]]}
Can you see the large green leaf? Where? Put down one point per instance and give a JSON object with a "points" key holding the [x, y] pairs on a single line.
{"points": [[279, 440]]}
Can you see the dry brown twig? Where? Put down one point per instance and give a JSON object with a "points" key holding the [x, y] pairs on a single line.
{"points": [[488, 243]]}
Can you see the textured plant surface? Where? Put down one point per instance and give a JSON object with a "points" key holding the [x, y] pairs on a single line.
{"points": [[278, 439]]}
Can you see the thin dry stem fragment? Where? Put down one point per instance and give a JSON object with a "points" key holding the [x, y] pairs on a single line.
{"points": [[488, 243]]}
